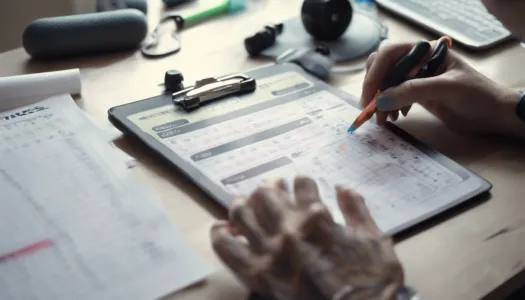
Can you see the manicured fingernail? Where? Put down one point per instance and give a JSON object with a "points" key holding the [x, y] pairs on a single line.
{"points": [[385, 102]]}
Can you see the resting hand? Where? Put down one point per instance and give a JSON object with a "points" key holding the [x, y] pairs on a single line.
{"points": [[294, 250], [461, 97]]}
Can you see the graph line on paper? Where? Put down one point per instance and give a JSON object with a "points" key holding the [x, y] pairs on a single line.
{"points": [[26, 250]]}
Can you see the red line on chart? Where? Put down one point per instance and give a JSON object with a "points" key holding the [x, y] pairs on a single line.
{"points": [[26, 250]]}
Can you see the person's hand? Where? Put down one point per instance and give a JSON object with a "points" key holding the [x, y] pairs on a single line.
{"points": [[285, 245], [461, 97]]}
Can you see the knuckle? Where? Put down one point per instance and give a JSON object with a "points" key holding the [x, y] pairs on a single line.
{"points": [[317, 214], [411, 87], [303, 181], [451, 81], [217, 240], [287, 235], [386, 44], [347, 192], [237, 213], [236, 208], [261, 192], [238, 201], [318, 209], [371, 58]]}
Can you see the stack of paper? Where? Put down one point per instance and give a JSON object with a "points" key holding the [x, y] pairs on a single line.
{"points": [[75, 224]]}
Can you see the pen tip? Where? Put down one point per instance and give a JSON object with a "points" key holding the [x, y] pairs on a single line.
{"points": [[351, 129]]}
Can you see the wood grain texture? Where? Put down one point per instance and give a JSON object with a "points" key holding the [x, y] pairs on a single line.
{"points": [[470, 253]]}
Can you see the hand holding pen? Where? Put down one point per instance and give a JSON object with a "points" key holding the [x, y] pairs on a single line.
{"points": [[457, 94], [415, 64]]}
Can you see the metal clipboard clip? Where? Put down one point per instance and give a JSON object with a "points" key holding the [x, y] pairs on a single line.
{"points": [[209, 89]]}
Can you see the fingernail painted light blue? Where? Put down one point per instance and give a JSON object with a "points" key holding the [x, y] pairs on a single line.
{"points": [[385, 102]]}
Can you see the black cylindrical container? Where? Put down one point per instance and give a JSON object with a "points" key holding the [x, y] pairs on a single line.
{"points": [[85, 34]]}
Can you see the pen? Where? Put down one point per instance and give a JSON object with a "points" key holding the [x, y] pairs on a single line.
{"points": [[402, 69]]}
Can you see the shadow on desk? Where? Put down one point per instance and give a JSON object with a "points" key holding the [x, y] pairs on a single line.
{"points": [[519, 295], [516, 286]]}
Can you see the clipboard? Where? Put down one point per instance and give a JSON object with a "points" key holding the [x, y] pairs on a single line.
{"points": [[294, 123]]}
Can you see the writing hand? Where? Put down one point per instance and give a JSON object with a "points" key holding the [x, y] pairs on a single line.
{"points": [[460, 96], [285, 244]]}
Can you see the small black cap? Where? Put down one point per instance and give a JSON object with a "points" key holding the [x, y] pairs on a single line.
{"points": [[322, 49], [173, 80]]}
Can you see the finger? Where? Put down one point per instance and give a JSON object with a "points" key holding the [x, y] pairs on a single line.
{"points": [[324, 278], [245, 222], [385, 59], [367, 96], [282, 185], [317, 226], [306, 192], [231, 250], [285, 263], [394, 115], [269, 205], [355, 211], [405, 110], [381, 117], [413, 91], [370, 60]]}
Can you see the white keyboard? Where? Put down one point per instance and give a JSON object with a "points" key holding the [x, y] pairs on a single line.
{"points": [[466, 21]]}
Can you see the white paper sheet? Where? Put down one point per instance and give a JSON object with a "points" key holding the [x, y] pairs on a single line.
{"points": [[103, 236], [111, 134], [21, 90]]}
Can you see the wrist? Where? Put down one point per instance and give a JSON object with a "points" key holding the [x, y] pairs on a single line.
{"points": [[510, 122]]}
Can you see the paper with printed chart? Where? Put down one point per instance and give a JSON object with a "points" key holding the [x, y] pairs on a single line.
{"points": [[294, 124], [74, 222]]}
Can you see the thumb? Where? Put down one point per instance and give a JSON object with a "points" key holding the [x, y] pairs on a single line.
{"points": [[410, 92]]}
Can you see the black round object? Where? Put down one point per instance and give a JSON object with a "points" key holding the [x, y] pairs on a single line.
{"points": [[326, 20], [173, 81], [83, 34]]}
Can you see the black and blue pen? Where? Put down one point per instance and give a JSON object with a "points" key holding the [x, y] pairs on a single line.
{"points": [[402, 69]]}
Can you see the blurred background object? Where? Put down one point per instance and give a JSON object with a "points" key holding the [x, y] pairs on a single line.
{"points": [[17, 14]]}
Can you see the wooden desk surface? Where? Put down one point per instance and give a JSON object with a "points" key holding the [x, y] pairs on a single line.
{"points": [[476, 251]]}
